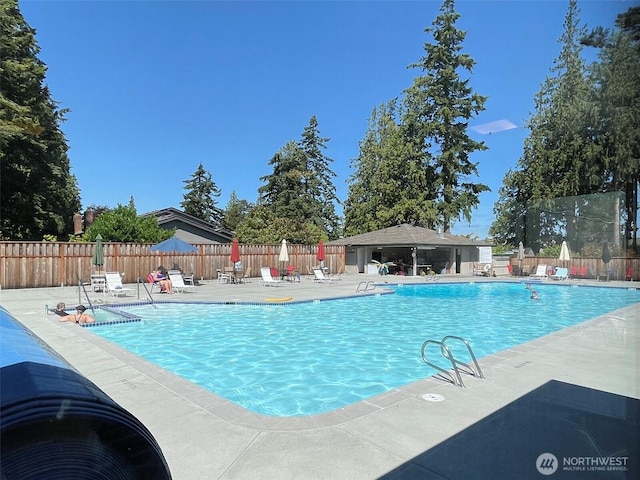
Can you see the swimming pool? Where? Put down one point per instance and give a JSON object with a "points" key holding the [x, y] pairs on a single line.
{"points": [[309, 358]]}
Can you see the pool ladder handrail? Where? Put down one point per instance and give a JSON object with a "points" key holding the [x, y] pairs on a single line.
{"points": [[364, 286], [456, 364], [144, 284], [81, 286]]}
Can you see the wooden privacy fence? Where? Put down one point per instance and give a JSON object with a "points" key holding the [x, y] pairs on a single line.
{"points": [[618, 267], [48, 264]]}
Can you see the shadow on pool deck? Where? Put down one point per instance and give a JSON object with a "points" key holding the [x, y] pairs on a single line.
{"points": [[206, 437], [558, 428]]}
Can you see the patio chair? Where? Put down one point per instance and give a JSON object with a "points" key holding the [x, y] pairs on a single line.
{"points": [[561, 274], [319, 276], [113, 285], [267, 280], [541, 272], [222, 277], [177, 282]]}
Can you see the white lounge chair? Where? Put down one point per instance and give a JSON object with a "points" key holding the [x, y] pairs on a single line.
{"points": [[318, 276], [223, 277], [561, 274], [541, 272], [177, 282], [267, 280], [113, 285]]}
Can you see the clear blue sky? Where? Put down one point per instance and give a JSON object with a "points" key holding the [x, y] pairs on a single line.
{"points": [[157, 87]]}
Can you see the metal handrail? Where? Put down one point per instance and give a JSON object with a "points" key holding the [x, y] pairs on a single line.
{"points": [[478, 371], [447, 354], [144, 284], [81, 285]]}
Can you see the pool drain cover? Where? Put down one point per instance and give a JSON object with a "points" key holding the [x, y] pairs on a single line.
{"points": [[432, 397]]}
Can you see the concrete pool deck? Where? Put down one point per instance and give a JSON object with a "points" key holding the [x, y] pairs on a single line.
{"points": [[203, 436]]}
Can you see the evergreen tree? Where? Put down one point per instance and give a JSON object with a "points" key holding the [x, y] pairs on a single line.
{"points": [[438, 107], [320, 190], [38, 194], [617, 125], [285, 190], [387, 187], [583, 141], [299, 193], [235, 212], [200, 199]]}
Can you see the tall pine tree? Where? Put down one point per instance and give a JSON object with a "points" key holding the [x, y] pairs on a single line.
{"points": [[38, 194], [438, 107], [201, 197], [320, 189]]}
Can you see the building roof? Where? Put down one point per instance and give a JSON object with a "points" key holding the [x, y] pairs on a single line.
{"points": [[408, 235], [189, 228]]}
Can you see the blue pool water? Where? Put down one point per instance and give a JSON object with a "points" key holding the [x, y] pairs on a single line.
{"points": [[309, 358]]}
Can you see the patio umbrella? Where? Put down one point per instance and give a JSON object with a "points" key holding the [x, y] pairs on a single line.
{"points": [[173, 244], [235, 251], [321, 253], [284, 255], [98, 253], [606, 256], [564, 253], [520, 255]]}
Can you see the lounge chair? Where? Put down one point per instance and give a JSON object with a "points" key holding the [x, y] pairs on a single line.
{"points": [[561, 274], [574, 272], [318, 276], [177, 282], [113, 285], [223, 277], [267, 280], [541, 272]]}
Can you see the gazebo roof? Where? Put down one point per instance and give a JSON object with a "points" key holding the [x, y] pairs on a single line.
{"points": [[408, 235]]}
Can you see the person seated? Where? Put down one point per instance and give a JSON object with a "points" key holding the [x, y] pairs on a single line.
{"points": [[79, 317], [157, 277], [61, 309]]}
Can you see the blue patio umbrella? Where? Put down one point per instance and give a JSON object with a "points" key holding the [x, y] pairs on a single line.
{"points": [[173, 244]]}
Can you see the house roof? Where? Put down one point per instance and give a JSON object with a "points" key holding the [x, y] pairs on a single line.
{"points": [[172, 216], [408, 235]]}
